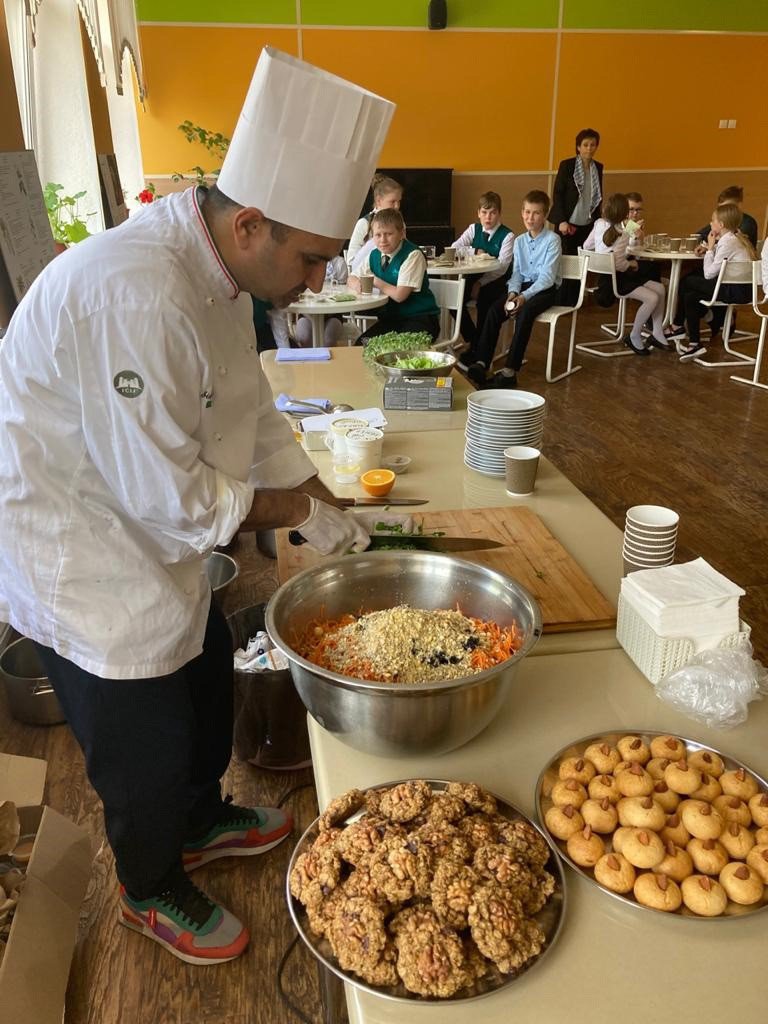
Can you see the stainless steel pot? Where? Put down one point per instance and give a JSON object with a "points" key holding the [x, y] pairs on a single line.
{"points": [[391, 719], [222, 571], [30, 695]]}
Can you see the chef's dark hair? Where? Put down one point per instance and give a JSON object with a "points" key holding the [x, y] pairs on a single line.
{"points": [[218, 203]]}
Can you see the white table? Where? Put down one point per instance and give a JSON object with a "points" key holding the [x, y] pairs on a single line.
{"points": [[676, 259], [611, 961], [465, 269], [318, 307]]}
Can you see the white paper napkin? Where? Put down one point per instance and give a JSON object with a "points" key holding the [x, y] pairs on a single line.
{"points": [[373, 417]]}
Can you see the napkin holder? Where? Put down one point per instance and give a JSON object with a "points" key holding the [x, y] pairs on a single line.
{"points": [[656, 656]]}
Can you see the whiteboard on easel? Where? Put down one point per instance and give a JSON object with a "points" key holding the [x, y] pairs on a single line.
{"points": [[26, 241]]}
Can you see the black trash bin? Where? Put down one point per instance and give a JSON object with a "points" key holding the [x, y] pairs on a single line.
{"points": [[270, 720]]}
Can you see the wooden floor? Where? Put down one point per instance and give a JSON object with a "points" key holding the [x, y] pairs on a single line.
{"points": [[626, 431]]}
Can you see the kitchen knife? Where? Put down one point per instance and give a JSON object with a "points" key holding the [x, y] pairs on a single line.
{"points": [[422, 543], [417, 541], [350, 502]]}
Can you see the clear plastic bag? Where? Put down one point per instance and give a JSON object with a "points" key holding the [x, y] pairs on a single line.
{"points": [[716, 686]]}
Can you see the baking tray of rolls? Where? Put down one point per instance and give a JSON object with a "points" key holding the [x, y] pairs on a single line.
{"points": [[661, 822]]}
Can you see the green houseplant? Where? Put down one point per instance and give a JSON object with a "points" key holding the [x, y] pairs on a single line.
{"points": [[215, 143], [67, 222]]}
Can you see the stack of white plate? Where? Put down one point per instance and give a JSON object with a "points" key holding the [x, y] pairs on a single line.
{"points": [[496, 420]]}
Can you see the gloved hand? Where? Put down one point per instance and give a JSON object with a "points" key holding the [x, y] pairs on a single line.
{"points": [[369, 518], [331, 531]]}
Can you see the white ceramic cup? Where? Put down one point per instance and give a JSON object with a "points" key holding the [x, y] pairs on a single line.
{"points": [[338, 430], [364, 444], [521, 464]]}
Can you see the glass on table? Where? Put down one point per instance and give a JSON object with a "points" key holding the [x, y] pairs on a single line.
{"points": [[665, 243]]}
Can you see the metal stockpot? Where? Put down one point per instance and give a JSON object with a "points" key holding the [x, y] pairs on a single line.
{"points": [[391, 719]]}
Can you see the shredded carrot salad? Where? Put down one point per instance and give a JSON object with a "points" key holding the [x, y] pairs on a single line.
{"points": [[407, 645]]}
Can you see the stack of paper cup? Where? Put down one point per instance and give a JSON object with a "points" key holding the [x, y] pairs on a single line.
{"points": [[650, 537]]}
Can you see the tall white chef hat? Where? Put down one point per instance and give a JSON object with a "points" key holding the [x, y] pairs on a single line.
{"points": [[305, 146]]}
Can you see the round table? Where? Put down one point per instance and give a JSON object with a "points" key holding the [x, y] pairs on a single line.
{"points": [[459, 270], [676, 260], [318, 307]]}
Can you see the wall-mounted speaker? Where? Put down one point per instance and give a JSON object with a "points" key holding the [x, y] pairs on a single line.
{"points": [[437, 14]]}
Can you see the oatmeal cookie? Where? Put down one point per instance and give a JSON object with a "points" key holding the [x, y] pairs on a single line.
{"points": [[405, 801], [356, 934], [475, 797], [451, 890], [383, 973], [499, 863], [315, 874], [445, 841], [501, 930], [340, 808], [399, 872], [444, 809], [479, 829], [527, 843], [364, 837], [430, 957]]}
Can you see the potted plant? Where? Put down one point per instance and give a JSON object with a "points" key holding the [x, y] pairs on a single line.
{"points": [[214, 142], [67, 223]]}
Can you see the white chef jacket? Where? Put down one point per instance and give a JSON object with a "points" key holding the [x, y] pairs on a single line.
{"points": [[135, 423]]}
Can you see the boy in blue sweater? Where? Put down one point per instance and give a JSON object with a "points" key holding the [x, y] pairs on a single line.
{"points": [[532, 289]]}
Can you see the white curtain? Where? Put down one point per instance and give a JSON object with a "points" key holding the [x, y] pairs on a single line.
{"points": [[20, 37], [122, 109], [65, 148], [124, 32], [90, 13]]}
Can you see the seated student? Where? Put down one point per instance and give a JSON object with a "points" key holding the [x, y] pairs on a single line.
{"points": [[387, 195], [271, 326], [651, 268], [335, 273], [725, 241], [486, 234], [531, 290], [400, 272], [609, 235], [734, 195]]}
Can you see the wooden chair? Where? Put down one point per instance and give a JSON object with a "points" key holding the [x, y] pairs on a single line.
{"points": [[604, 263], [730, 273], [449, 295], [754, 380]]}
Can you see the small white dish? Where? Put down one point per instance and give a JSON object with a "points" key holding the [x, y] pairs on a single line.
{"points": [[397, 463]]}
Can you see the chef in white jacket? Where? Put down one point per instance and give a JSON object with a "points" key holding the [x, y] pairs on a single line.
{"points": [[137, 432]]}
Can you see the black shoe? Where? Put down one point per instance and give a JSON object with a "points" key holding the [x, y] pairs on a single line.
{"points": [[637, 351], [465, 360], [501, 380], [664, 346], [478, 374]]}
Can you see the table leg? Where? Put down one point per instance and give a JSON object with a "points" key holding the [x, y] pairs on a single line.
{"points": [[674, 287], [318, 333]]}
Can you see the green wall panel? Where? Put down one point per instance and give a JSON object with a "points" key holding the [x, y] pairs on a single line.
{"points": [[409, 13], [704, 15], [245, 12]]}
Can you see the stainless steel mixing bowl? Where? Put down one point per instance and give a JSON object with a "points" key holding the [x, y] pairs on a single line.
{"points": [[442, 364], [391, 719]]}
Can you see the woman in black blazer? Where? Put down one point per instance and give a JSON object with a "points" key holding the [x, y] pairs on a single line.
{"points": [[578, 192]]}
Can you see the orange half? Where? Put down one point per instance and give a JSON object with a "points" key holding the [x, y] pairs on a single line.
{"points": [[378, 481]]}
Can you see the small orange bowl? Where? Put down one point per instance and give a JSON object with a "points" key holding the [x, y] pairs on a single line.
{"points": [[378, 482]]}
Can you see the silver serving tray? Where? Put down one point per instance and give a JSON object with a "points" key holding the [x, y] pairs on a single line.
{"points": [[549, 776], [550, 917]]}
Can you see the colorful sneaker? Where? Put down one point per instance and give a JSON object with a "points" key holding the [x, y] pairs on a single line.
{"points": [[187, 923], [240, 832]]}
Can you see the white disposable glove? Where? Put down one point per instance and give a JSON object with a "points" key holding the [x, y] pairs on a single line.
{"points": [[331, 531], [369, 519]]}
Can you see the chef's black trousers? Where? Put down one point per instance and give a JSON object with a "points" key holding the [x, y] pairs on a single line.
{"points": [[155, 750]]}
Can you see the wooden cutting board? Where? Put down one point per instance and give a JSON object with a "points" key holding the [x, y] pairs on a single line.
{"points": [[568, 598]]}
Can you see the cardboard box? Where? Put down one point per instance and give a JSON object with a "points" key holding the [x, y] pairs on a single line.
{"points": [[35, 968], [423, 393]]}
